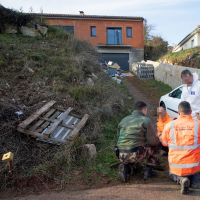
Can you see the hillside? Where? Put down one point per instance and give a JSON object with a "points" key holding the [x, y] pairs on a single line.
{"points": [[188, 58], [37, 70]]}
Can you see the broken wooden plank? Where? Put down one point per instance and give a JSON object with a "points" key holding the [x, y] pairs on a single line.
{"points": [[42, 120], [47, 123], [72, 114], [34, 116], [31, 133], [79, 126], [57, 122]]}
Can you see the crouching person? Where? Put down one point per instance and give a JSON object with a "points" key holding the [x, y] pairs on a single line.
{"points": [[182, 136], [137, 142]]}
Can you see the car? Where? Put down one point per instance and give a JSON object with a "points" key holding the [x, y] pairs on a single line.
{"points": [[171, 101]]}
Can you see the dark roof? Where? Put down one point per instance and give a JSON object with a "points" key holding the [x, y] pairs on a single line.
{"points": [[69, 16]]}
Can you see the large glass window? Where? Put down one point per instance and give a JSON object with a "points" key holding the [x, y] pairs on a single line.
{"points": [[129, 32], [93, 31], [114, 36]]}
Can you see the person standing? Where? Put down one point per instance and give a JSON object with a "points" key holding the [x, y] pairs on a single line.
{"points": [[191, 91]]}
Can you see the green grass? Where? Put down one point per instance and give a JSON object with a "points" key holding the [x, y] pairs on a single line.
{"points": [[157, 86], [105, 152], [188, 57], [61, 68]]}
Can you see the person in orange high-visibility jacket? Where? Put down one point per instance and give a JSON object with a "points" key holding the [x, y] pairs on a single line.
{"points": [[182, 136], [163, 119]]}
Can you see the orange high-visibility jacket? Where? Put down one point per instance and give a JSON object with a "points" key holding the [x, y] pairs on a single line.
{"points": [[182, 136], [161, 122]]}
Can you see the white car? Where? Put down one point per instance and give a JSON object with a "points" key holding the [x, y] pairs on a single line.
{"points": [[171, 101]]}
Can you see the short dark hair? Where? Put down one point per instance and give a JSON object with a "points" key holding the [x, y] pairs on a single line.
{"points": [[139, 105], [186, 72], [184, 107]]}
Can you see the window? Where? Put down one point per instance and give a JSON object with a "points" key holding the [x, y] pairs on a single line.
{"points": [[93, 31], [129, 32], [176, 93], [114, 36], [192, 43]]}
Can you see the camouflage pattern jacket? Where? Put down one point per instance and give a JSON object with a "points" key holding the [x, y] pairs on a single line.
{"points": [[136, 130]]}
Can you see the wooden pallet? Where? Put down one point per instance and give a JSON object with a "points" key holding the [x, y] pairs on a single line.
{"points": [[53, 125]]}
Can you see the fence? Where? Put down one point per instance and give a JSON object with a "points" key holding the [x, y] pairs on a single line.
{"points": [[166, 73], [144, 71]]}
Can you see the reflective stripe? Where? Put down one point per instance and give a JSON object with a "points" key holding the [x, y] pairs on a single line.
{"points": [[184, 165], [173, 139], [196, 131], [174, 147], [172, 135]]}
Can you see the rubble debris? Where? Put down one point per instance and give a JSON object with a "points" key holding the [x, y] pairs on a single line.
{"points": [[53, 125], [115, 66], [19, 114], [119, 81]]}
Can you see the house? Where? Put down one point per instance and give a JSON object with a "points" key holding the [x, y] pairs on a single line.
{"points": [[117, 38], [190, 41]]}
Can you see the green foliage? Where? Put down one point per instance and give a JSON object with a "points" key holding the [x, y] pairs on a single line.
{"points": [[188, 57], [155, 48], [84, 92], [12, 17], [40, 69], [158, 86], [105, 150], [54, 32]]}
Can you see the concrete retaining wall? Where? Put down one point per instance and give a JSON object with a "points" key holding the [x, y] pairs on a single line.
{"points": [[169, 74]]}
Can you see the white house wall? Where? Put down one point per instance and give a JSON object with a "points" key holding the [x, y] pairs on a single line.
{"points": [[188, 44]]}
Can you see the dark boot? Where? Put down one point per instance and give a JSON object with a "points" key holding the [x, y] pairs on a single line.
{"points": [[124, 172], [185, 185], [195, 181], [148, 172]]}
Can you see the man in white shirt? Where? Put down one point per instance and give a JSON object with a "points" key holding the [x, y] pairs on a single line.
{"points": [[191, 91]]}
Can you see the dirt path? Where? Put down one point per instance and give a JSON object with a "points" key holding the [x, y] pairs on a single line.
{"points": [[161, 191], [159, 188], [133, 86]]}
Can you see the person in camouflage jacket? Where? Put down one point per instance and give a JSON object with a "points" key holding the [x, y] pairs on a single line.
{"points": [[137, 142]]}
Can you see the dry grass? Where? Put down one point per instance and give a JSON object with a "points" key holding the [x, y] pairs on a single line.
{"points": [[34, 70]]}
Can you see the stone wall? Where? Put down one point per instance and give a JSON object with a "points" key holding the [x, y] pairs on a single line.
{"points": [[168, 74]]}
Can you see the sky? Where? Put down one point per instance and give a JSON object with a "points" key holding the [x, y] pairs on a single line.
{"points": [[171, 19]]}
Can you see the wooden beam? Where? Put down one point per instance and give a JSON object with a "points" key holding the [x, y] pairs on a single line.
{"points": [[57, 122], [28, 132], [34, 116], [78, 127], [42, 120]]}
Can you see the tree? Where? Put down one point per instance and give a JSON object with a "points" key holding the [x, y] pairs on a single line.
{"points": [[147, 30], [155, 48]]}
